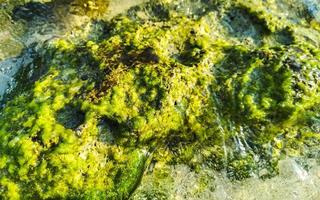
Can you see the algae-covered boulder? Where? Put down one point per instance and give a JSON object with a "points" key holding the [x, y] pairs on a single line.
{"points": [[163, 86]]}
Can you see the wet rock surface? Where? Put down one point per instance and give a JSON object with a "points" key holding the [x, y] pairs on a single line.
{"points": [[170, 100]]}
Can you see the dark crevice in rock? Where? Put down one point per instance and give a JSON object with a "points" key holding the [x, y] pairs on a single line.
{"points": [[70, 117]]}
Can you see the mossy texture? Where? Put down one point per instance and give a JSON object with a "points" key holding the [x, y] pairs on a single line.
{"points": [[167, 86]]}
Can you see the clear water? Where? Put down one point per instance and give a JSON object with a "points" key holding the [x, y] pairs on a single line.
{"points": [[292, 183]]}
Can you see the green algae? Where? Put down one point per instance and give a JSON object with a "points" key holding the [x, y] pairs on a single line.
{"points": [[174, 89]]}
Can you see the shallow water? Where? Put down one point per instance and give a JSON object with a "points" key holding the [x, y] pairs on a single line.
{"points": [[292, 183], [20, 39]]}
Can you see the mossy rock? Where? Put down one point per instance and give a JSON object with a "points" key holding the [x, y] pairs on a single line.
{"points": [[171, 88]]}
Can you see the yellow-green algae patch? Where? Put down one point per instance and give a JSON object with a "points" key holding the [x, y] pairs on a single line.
{"points": [[174, 89]]}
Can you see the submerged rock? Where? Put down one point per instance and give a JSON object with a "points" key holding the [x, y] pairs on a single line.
{"points": [[172, 83]]}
